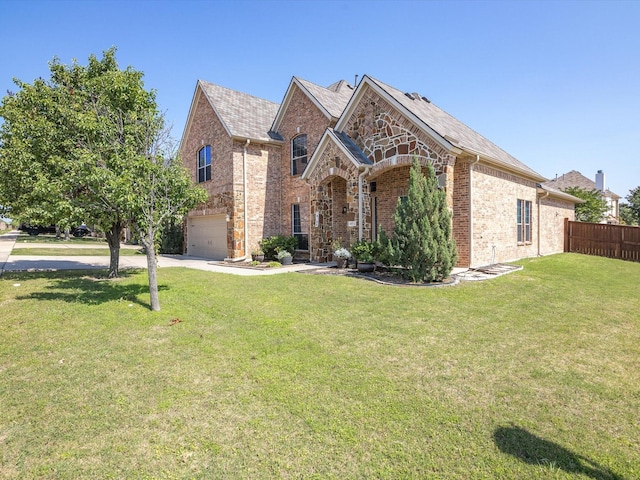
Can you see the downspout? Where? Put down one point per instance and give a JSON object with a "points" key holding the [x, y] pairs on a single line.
{"points": [[471, 165], [360, 220], [246, 211], [546, 194]]}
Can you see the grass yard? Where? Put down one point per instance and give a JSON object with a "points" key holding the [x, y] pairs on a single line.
{"points": [[532, 375], [46, 238]]}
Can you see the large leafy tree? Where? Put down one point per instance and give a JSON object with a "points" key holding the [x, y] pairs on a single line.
{"points": [[630, 212], [35, 148], [594, 207], [422, 241], [89, 144]]}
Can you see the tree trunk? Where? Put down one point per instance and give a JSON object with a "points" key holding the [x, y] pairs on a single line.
{"points": [[67, 235], [152, 270], [113, 239]]}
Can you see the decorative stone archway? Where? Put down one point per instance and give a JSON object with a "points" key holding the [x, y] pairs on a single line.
{"points": [[334, 203]]}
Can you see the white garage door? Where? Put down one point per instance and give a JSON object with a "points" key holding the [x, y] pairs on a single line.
{"points": [[207, 237]]}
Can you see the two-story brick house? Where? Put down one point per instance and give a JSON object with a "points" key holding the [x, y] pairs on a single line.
{"points": [[331, 163]]}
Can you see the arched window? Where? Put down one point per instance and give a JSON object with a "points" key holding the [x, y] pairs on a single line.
{"points": [[298, 154], [204, 164]]}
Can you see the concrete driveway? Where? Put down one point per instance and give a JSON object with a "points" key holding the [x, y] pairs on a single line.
{"points": [[12, 263]]}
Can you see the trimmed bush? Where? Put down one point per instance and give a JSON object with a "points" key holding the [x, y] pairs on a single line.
{"points": [[277, 243]]}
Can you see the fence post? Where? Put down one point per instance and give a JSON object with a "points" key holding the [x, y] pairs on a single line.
{"points": [[567, 233]]}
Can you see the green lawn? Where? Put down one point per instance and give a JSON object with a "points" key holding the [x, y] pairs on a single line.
{"points": [[48, 238], [531, 375]]}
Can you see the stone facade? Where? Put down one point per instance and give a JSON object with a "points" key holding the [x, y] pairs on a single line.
{"points": [[333, 188], [383, 133]]}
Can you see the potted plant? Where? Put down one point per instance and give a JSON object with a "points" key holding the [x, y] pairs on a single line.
{"points": [[363, 252], [284, 257], [257, 255], [341, 255]]}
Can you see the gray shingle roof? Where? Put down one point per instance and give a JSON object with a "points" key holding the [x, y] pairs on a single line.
{"points": [[572, 179], [453, 130], [351, 147], [243, 115], [333, 99]]}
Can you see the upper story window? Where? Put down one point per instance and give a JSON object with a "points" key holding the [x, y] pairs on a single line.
{"points": [[298, 154], [204, 164], [524, 221]]}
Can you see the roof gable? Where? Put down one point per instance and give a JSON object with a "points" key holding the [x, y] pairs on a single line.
{"points": [[449, 132], [330, 101], [242, 115], [344, 143]]}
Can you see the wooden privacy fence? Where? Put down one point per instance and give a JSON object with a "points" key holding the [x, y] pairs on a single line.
{"points": [[603, 240]]}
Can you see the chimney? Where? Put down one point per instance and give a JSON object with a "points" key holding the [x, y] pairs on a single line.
{"points": [[600, 185]]}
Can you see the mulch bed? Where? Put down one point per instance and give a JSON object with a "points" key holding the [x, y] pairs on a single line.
{"points": [[380, 275]]}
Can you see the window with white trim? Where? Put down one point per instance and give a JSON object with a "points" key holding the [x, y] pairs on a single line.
{"points": [[523, 221], [298, 154], [204, 164]]}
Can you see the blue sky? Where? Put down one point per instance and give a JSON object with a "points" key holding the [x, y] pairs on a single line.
{"points": [[554, 83]]}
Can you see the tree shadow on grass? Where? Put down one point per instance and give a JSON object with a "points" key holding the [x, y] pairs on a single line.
{"points": [[534, 450], [86, 287]]}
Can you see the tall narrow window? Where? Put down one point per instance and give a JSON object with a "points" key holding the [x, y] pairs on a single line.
{"points": [[298, 154], [524, 221], [204, 164], [297, 228]]}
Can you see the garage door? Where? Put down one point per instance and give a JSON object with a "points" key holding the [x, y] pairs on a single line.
{"points": [[207, 237]]}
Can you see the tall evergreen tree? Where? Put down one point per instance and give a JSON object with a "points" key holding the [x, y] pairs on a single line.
{"points": [[422, 241]]}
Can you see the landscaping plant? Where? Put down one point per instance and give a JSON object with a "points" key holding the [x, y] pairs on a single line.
{"points": [[422, 243]]}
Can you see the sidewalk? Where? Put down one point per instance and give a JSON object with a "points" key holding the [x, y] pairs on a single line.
{"points": [[14, 263], [7, 241]]}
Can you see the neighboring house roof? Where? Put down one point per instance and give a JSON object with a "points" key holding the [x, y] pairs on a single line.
{"points": [[242, 115], [331, 100], [576, 179], [453, 130]]}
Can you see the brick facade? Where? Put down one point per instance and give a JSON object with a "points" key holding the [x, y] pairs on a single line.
{"points": [[226, 187], [301, 117], [552, 213]]}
